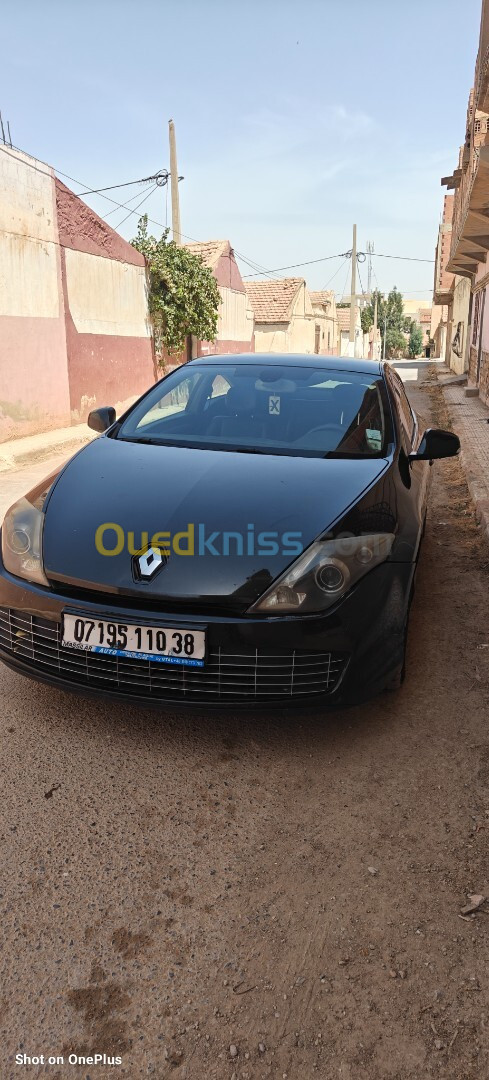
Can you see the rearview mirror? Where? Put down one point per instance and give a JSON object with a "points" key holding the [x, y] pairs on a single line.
{"points": [[436, 443], [101, 419]]}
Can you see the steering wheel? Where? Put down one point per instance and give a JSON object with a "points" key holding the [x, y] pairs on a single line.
{"points": [[309, 435]]}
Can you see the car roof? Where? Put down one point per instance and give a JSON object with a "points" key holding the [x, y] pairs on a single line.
{"points": [[328, 363]]}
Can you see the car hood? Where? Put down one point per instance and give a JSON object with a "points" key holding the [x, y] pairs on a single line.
{"points": [[142, 488]]}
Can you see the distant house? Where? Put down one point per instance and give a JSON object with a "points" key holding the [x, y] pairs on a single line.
{"points": [[326, 322], [235, 330], [284, 316], [345, 346]]}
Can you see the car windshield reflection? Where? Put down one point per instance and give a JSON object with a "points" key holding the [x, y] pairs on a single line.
{"points": [[303, 411]]}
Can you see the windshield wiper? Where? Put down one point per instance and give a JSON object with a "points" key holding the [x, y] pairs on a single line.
{"points": [[353, 457]]}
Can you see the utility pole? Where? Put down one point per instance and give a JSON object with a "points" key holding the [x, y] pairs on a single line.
{"points": [[375, 326], [353, 298], [175, 199], [370, 248]]}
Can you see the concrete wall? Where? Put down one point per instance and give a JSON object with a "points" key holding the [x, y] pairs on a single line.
{"points": [[351, 348], [458, 361], [110, 359], [272, 337], [34, 392], [73, 305]]}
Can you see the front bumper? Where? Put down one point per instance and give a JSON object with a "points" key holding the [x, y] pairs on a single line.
{"points": [[342, 657]]}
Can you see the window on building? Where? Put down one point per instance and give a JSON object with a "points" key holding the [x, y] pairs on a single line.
{"points": [[317, 337]]}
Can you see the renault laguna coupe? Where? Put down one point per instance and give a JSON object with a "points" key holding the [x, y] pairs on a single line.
{"points": [[247, 532]]}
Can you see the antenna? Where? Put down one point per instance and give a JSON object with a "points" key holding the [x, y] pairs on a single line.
{"points": [[2, 127]]}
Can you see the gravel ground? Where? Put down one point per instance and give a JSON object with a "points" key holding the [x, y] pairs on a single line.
{"points": [[240, 897]]}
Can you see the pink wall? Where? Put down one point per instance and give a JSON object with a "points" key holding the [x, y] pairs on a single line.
{"points": [[103, 369], [81, 228], [33, 377], [227, 272]]}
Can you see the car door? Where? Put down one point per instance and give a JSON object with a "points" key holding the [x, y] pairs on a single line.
{"points": [[415, 475]]}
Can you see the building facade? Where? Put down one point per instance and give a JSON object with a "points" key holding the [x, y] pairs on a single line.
{"points": [[346, 347], [468, 346], [235, 329], [285, 320], [74, 332], [325, 322]]}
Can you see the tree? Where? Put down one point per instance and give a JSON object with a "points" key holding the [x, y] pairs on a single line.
{"points": [[415, 340], [183, 293], [395, 342], [390, 318]]}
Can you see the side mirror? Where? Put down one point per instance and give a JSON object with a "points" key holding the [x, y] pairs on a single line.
{"points": [[436, 443], [101, 419]]}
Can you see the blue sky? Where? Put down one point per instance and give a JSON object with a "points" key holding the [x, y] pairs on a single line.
{"points": [[293, 119]]}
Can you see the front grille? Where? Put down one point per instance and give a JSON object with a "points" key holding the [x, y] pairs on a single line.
{"points": [[227, 676]]}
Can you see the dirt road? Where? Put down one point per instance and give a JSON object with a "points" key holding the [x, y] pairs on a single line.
{"points": [[260, 896]]}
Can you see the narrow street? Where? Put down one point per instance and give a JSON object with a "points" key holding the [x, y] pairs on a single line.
{"points": [[265, 895]]}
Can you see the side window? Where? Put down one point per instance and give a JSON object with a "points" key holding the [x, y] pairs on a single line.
{"points": [[220, 386], [408, 419], [175, 401]]}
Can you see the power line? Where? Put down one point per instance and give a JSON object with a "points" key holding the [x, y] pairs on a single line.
{"points": [[162, 177], [334, 275], [67, 176], [147, 195], [360, 277], [310, 262], [346, 281], [403, 258], [326, 258], [123, 205]]}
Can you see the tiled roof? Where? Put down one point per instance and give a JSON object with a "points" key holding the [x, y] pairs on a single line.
{"points": [[321, 297], [272, 300], [343, 316], [209, 250], [425, 316]]}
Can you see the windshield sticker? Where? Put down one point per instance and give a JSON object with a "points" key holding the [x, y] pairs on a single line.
{"points": [[274, 405]]}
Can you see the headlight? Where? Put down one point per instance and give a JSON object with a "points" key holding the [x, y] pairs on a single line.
{"points": [[323, 574], [22, 541]]}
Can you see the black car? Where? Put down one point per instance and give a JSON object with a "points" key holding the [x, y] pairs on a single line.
{"points": [[247, 532]]}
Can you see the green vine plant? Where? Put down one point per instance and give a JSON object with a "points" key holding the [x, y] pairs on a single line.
{"points": [[183, 294]]}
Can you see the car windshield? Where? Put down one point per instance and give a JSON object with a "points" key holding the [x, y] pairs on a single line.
{"points": [[272, 409]]}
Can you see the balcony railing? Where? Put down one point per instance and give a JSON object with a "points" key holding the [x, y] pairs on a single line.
{"points": [[462, 198]]}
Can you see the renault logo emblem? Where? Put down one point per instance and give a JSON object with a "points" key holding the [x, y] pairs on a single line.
{"points": [[147, 563]]}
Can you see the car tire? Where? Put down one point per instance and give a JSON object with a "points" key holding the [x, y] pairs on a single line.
{"points": [[397, 678]]}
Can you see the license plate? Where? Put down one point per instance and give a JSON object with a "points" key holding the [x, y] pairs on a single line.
{"points": [[166, 645]]}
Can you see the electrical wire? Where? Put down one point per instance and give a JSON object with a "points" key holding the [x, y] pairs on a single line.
{"points": [[346, 279], [403, 258], [67, 176], [148, 193], [112, 187], [334, 275], [115, 208], [263, 272], [310, 262], [360, 278]]}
